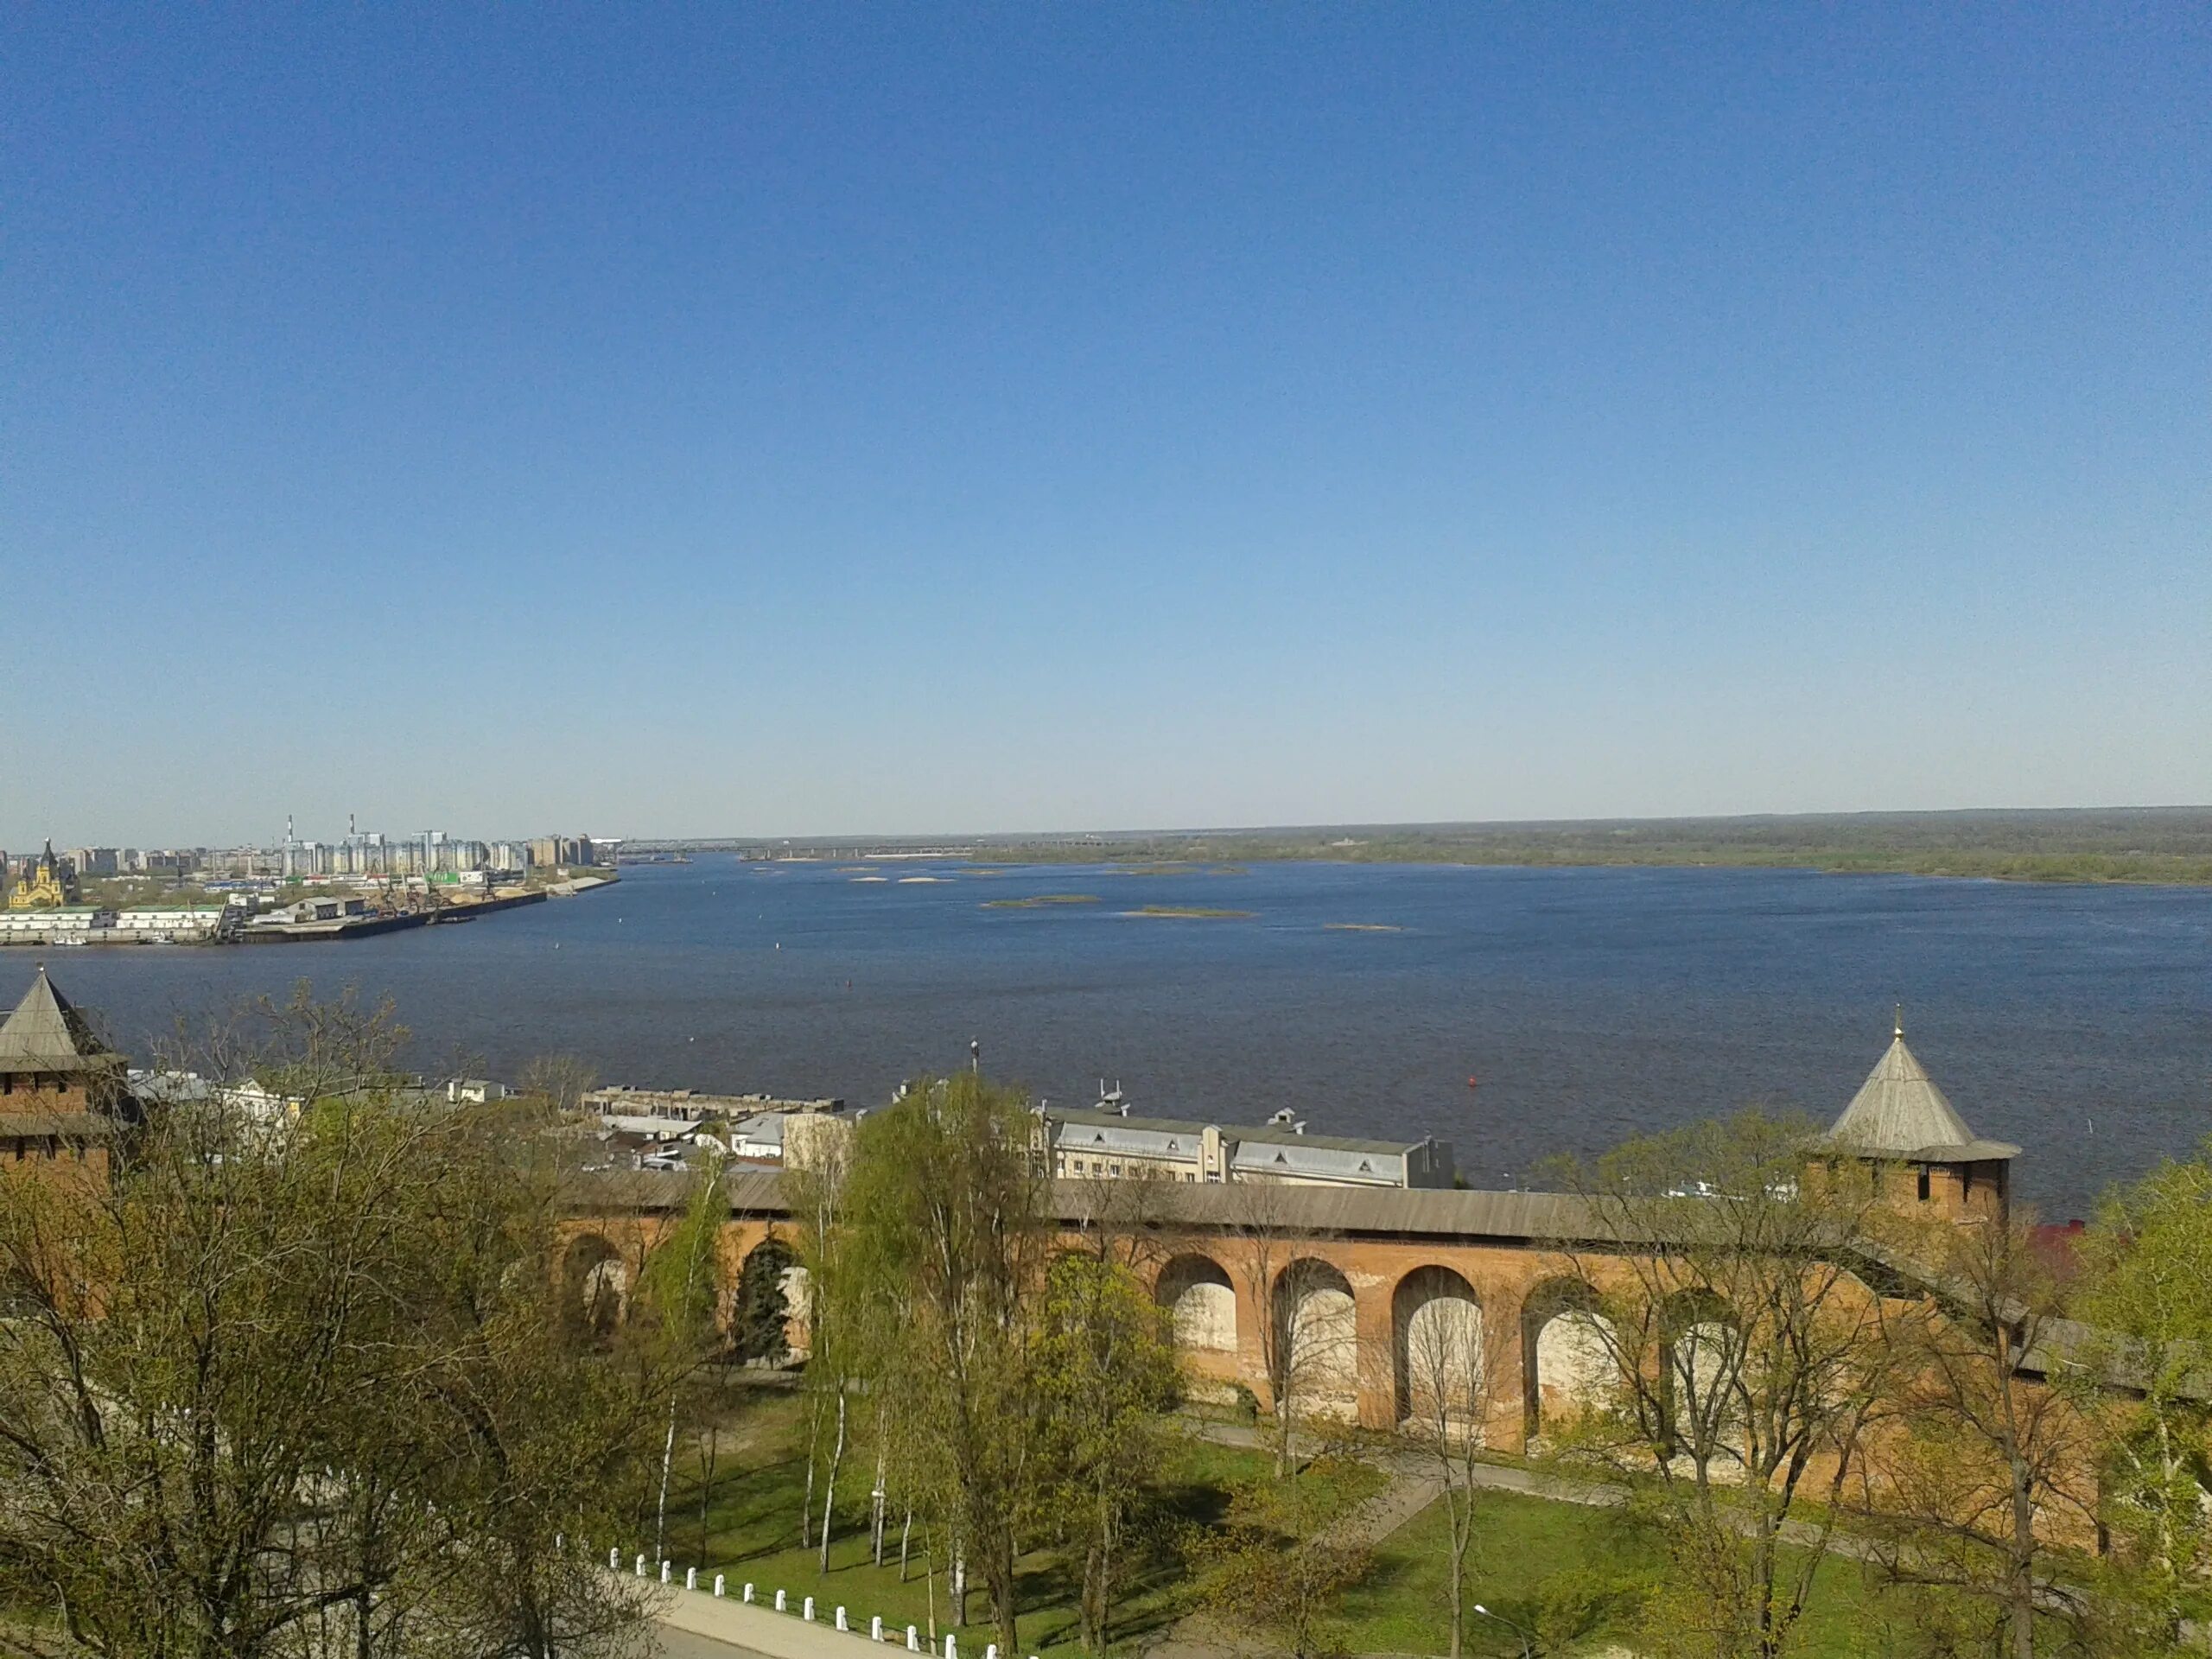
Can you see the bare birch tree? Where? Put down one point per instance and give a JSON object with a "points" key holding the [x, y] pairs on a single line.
{"points": [[1993, 1465], [679, 1297], [1455, 1372], [1305, 1340], [836, 1319], [1749, 1356], [1125, 1219], [561, 1081]]}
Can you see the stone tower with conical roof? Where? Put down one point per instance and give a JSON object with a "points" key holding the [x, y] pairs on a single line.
{"points": [[1917, 1148], [60, 1091]]}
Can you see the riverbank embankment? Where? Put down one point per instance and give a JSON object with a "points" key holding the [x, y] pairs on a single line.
{"points": [[81, 927], [449, 915]]}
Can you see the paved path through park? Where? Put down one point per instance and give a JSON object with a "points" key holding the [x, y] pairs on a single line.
{"points": [[763, 1631], [671, 1643]]}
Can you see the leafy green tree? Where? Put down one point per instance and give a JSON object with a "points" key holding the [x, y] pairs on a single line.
{"points": [[869, 1303], [947, 1197], [679, 1292], [533, 1443], [760, 1322], [295, 1387], [1107, 1370], [914, 1466], [2148, 1295]]}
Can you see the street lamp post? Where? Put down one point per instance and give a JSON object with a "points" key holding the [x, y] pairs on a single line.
{"points": [[1528, 1649]]}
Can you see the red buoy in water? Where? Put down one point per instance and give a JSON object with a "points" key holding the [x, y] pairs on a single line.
{"points": [[1474, 1083]]}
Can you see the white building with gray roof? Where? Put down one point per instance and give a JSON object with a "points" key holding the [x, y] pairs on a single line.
{"points": [[1107, 1141]]}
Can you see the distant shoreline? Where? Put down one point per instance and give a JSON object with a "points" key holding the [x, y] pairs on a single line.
{"points": [[2091, 846], [2044, 871], [2139, 847]]}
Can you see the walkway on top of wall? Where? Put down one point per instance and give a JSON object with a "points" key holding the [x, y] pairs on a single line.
{"points": [[1429, 1213]]}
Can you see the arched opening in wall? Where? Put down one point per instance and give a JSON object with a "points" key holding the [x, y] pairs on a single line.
{"points": [[799, 1308], [1197, 1292], [1317, 1337], [1701, 1369], [1568, 1355], [760, 1314], [597, 1282], [1437, 1326]]}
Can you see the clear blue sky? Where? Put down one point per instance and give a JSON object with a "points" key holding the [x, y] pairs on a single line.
{"points": [[828, 418]]}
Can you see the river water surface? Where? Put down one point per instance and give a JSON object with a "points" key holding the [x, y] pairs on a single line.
{"points": [[1586, 1004]]}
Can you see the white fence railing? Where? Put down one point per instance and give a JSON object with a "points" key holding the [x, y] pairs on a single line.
{"points": [[746, 1595]]}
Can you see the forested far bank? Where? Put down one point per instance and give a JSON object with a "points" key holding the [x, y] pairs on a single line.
{"points": [[2164, 845]]}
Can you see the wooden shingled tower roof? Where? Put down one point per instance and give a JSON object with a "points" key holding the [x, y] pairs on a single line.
{"points": [[1898, 1112], [47, 1034]]}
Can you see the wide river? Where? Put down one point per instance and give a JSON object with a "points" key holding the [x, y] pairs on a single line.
{"points": [[1587, 1004]]}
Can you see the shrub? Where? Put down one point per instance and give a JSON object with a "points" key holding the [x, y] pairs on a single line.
{"points": [[1574, 1603]]}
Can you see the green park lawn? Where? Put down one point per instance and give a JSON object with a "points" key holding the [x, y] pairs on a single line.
{"points": [[1536, 1561], [752, 1534]]}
